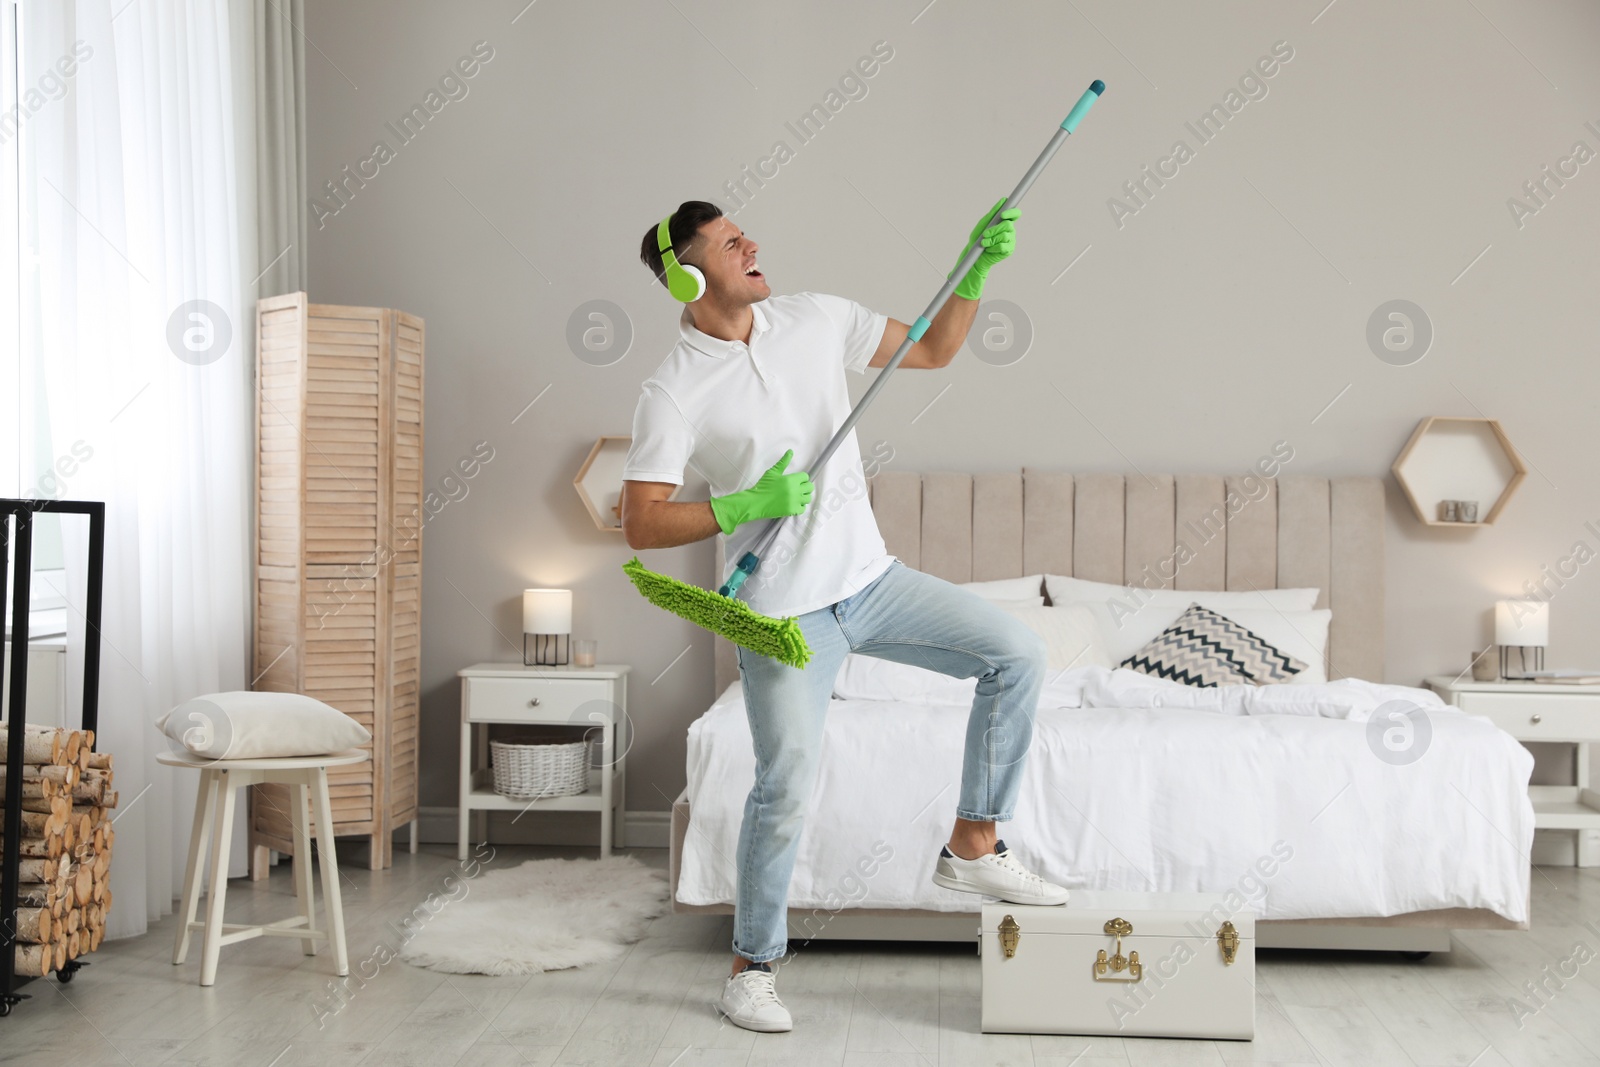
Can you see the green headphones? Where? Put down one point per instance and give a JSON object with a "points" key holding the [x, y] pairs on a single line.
{"points": [[686, 284]]}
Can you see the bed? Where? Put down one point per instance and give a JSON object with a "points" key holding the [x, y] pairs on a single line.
{"points": [[1280, 799]]}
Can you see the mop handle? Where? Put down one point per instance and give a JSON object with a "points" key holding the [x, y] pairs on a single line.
{"points": [[918, 328]]}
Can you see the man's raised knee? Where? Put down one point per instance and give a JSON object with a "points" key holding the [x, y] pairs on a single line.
{"points": [[1032, 650]]}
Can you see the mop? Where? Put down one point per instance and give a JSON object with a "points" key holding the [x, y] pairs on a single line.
{"points": [[722, 612]]}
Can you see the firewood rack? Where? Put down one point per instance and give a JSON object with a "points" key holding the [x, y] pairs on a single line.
{"points": [[22, 511]]}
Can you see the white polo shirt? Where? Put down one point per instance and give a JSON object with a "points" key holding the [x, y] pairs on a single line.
{"points": [[729, 411]]}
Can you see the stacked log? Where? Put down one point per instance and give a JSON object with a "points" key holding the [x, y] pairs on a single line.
{"points": [[64, 879]]}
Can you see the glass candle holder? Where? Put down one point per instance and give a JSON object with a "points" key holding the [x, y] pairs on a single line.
{"points": [[1485, 665], [583, 653]]}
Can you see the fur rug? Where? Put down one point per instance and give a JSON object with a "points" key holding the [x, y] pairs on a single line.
{"points": [[543, 915]]}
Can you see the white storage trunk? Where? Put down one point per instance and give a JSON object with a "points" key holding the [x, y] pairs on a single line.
{"points": [[1168, 974]]}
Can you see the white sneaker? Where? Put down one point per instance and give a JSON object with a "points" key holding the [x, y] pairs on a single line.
{"points": [[750, 1000], [997, 874]]}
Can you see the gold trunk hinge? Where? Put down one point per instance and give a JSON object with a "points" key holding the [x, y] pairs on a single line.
{"points": [[1010, 934], [1228, 938]]}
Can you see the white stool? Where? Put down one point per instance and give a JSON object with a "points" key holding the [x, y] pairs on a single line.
{"points": [[218, 780]]}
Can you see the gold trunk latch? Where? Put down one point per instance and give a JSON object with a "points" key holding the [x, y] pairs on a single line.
{"points": [[1228, 938], [1119, 963], [1010, 934]]}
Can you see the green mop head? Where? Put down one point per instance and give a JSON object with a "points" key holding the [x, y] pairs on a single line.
{"points": [[779, 639]]}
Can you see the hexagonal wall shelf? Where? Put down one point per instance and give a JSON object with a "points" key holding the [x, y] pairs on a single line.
{"points": [[1454, 458], [599, 482]]}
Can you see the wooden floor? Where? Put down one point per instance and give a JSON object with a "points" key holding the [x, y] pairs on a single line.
{"points": [[883, 1005]]}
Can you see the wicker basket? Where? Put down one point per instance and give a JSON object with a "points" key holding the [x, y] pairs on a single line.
{"points": [[540, 766]]}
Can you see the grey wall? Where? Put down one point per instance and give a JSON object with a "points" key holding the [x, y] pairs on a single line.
{"points": [[1223, 316]]}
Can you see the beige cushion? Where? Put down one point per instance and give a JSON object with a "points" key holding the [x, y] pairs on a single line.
{"points": [[252, 725], [1071, 634]]}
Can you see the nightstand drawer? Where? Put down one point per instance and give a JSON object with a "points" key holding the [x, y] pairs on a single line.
{"points": [[1537, 716], [537, 699]]}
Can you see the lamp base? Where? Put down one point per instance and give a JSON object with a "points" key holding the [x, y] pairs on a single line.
{"points": [[549, 650], [1522, 661]]}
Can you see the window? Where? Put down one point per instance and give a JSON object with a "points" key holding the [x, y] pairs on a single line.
{"points": [[11, 423], [25, 449]]}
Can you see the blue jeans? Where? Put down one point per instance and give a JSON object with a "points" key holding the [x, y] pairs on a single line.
{"points": [[902, 615]]}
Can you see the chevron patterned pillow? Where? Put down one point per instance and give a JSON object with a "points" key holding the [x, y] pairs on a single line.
{"points": [[1205, 649]]}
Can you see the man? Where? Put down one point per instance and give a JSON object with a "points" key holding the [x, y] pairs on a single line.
{"points": [[756, 378]]}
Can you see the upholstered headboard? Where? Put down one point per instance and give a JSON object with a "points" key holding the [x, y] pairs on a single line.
{"points": [[1235, 532]]}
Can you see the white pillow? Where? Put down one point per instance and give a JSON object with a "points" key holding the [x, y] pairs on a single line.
{"points": [[1071, 634], [1074, 590], [869, 678], [1008, 588], [1131, 617], [1301, 634], [252, 725]]}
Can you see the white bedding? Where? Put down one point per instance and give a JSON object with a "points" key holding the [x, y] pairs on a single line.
{"points": [[1277, 793]]}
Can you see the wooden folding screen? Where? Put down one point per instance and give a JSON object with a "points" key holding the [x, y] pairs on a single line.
{"points": [[337, 587]]}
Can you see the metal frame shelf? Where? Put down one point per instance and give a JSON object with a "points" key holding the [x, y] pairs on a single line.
{"points": [[22, 511]]}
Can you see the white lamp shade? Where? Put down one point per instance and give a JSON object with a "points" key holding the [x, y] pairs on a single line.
{"points": [[547, 611], [1522, 622]]}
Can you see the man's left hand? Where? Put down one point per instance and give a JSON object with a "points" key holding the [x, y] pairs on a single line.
{"points": [[999, 240]]}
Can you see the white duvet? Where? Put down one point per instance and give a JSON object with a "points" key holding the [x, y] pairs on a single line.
{"points": [[1337, 799]]}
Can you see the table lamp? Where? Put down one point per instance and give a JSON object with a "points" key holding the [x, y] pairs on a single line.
{"points": [[547, 618], [1521, 625]]}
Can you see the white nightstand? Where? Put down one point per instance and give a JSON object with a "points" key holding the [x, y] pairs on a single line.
{"points": [[551, 696], [1530, 711]]}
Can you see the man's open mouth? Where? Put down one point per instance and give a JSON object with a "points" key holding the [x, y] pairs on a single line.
{"points": [[752, 271]]}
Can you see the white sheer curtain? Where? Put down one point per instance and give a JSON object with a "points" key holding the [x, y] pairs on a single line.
{"points": [[141, 186]]}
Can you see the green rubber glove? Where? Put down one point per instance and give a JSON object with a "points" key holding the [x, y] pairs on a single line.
{"points": [[998, 241], [775, 494]]}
